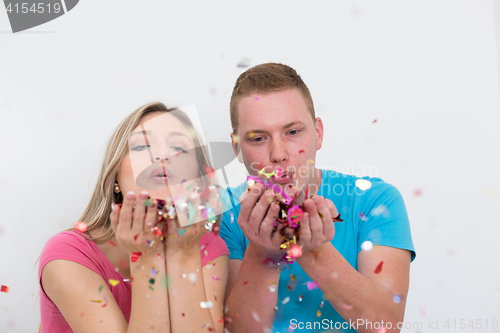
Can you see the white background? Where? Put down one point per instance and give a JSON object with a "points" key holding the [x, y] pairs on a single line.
{"points": [[425, 70]]}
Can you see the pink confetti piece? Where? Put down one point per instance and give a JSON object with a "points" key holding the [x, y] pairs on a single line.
{"points": [[311, 285], [80, 226]]}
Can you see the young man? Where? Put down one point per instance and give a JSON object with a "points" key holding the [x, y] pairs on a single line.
{"points": [[337, 283]]}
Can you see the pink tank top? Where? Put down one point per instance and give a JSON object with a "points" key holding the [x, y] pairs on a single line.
{"points": [[71, 245]]}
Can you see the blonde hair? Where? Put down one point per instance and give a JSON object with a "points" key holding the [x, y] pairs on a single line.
{"points": [[96, 215]]}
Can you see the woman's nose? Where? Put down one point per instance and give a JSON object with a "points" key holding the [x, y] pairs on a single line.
{"points": [[160, 154]]}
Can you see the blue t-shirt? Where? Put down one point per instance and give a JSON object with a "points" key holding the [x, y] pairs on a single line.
{"points": [[377, 214]]}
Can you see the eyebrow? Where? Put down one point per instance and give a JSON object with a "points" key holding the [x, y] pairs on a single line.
{"points": [[293, 123], [174, 133]]}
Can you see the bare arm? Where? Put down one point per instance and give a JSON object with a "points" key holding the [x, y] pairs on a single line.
{"points": [[365, 295], [74, 287], [195, 297], [250, 302]]}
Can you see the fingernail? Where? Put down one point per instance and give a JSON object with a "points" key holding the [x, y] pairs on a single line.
{"points": [[130, 195], [193, 196], [144, 195]]}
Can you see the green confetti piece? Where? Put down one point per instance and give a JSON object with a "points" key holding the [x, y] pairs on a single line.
{"points": [[192, 213], [152, 281], [189, 186], [100, 288], [147, 201], [151, 288], [181, 232]]}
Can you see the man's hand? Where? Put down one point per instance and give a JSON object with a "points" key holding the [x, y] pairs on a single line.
{"points": [[257, 217], [317, 226]]}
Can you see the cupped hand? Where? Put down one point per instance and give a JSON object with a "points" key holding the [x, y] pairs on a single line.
{"points": [[317, 226], [257, 219], [133, 225]]}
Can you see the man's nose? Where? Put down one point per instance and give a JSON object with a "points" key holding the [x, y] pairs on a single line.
{"points": [[279, 152]]}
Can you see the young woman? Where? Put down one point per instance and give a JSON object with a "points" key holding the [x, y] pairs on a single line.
{"points": [[122, 274]]}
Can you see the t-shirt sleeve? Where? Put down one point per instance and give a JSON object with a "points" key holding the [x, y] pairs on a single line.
{"points": [[70, 246], [384, 219], [211, 247], [232, 234]]}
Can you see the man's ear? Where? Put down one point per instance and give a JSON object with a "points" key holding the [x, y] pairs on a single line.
{"points": [[319, 133], [236, 147]]}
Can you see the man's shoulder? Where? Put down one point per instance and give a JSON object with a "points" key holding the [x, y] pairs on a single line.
{"points": [[337, 183]]}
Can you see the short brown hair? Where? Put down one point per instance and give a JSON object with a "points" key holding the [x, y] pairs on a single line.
{"points": [[265, 78]]}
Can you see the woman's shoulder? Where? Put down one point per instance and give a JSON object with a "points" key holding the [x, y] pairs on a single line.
{"points": [[72, 246], [211, 247]]}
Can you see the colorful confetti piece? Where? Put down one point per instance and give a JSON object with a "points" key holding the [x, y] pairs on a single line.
{"points": [[363, 184], [366, 246], [379, 268], [80, 226], [311, 285], [114, 283], [396, 298], [135, 256], [4, 289], [206, 305]]}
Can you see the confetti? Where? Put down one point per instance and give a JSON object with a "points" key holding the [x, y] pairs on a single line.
{"points": [[244, 63], [301, 297], [96, 301], [295, 251], [100, 287], [366, 246], [152, 281], [311, 285], [292, 276], [347, 307], [4, 289], [256, 316], [251, 134], [206, 305], [235, 138], [363, 184], [114, 283], [135, 256], [192, 277], [123, 264], [284, 301], [246, 282], [112, 243], [417, 192], [379, 268], [322, 303], [362, 216], [396, 298], [272, 288], [380, 210], [335, 275], [80, 226], [256, 98], [374, 121], [318, 313]]}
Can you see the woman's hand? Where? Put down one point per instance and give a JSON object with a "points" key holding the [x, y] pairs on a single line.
{"points": [[133, 227], [196, 213]]}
